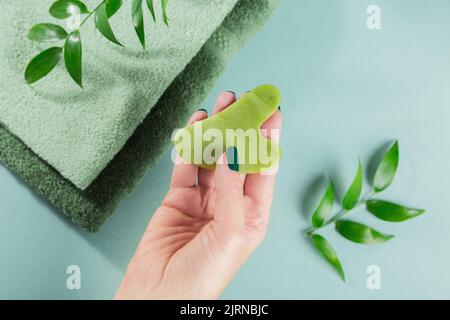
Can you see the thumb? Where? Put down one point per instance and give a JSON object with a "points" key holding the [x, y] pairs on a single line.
{"points": [[227, 177], [229, 190]]}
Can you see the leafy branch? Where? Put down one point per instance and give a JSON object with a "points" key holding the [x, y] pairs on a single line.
{"points": [[353, 231], [44, 62]]}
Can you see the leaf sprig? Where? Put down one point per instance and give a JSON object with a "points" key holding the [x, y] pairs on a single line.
{"points": [[353, 231], [43, 63]]}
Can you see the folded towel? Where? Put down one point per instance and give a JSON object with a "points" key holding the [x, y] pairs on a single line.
{"points": [[79, 131], [90, 207]]}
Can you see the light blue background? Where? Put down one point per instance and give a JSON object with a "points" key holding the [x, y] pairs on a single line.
{"points": [[347, 92]]}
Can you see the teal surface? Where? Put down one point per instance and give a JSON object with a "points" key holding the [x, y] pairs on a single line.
{"points": [[347, 92]]}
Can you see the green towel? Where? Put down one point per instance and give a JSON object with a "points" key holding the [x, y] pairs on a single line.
{"points": [[79, 131], [90, 207]]}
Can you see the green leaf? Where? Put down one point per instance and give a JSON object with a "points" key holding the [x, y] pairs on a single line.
{"points": [[328, 253], [60, 9], [73, 56], [353, 194], [102, 23], [391, 212], [138, 21], [386, 170], [44, 32], [42, 64], [326, 204], [152, 9], [164, 11], [112, 6], [360, 233]]}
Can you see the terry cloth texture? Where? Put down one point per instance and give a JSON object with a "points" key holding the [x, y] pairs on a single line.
{"points": [[89, 208], [78, 131]]}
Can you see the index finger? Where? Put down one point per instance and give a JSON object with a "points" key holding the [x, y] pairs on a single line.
{"points": [[259, 187]]}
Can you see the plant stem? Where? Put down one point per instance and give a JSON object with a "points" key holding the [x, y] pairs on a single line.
{"points": [[339, 215], [91, 13]]}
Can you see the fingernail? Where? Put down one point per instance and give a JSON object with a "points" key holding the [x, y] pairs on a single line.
{"points": [[232, 159], [232, 92], [279, 108], [203, 110]]}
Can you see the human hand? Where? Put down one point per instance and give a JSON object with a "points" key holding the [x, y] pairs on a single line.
{"points": [[206, 227]]}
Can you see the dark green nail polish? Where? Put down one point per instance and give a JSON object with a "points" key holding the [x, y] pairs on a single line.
{"points": [[203, 110], [232, 92], [279, 108], [232, 159]]}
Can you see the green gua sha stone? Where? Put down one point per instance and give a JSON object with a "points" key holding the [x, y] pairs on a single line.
{"points": [[238, 125]]}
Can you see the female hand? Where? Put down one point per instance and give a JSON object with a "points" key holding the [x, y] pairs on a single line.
{"points": [[206, 227]]}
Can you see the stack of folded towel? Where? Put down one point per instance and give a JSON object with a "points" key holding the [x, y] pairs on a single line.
{"points": [[85, 150]]}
